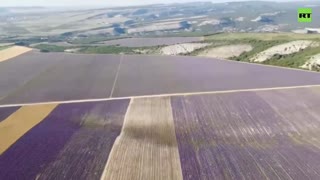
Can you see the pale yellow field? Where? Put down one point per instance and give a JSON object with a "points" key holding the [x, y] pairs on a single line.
{"points": [[12, 52], [147, 146], [20, 122]]}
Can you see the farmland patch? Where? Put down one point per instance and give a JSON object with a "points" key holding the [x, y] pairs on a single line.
{"points": [[74, 77], [65, 147], [12, 52], [18, 71], [47, 77], [20, 122], [149, 75], [160, 26], [219, 134], [147, 147], [87, 151]]}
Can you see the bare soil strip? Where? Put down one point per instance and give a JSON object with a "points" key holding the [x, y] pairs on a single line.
{"points": [[159, 95], [147, 146], [12, 52], [20, 122]]}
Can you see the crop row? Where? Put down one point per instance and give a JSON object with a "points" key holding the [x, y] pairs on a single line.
{"points": [[72, 142], [36, 77], [265, 135], [245, 135]]}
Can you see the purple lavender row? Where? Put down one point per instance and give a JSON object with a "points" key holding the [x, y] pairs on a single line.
{"points": [[86, 154], [73, 142], [74, 77], [243, 136]]}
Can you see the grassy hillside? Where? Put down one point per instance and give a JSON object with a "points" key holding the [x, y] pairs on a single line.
{"points": [[263, 41], [294, 60]]}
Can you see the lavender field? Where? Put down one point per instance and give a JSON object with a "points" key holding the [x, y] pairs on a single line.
{"points": [[153, 75], [271, 134], [253, 134], [249, 135], [16, 72], [47, 77], [74, 77], [73, 142]]}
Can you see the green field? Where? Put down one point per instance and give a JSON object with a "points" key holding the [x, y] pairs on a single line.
{"points": [[50, 48]]}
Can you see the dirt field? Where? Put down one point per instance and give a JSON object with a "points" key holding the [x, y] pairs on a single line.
{"points": [[283, 49], [182, 48], [147, 146], [226, 51], [12, 52]]}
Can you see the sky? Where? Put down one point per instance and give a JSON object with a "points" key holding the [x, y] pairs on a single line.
{"points": [[104, 3]]}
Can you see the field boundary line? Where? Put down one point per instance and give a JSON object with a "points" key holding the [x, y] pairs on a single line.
{"points": [[116, 141], [21, 122], [116, 78], [7, 54], [160, 95]]}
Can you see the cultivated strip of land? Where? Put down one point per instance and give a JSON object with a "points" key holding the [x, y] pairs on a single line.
{"points": [[159, 95], [76, 77], [20, 122], [276, 131], [147, 146], [12, 52], [91, 133]]}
